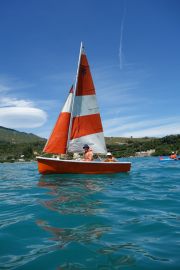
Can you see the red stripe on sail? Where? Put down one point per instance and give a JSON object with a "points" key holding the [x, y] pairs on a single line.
{"points": [[58, 140], [72, 89], [85, 85], [86, 125]]}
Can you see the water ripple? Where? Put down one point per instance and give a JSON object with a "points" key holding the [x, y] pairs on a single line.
{"points": [[102, 222]]}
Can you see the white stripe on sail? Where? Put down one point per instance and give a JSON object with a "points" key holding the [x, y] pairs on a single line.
{"points": [[68, 104], [95, 141], [85, 105]]}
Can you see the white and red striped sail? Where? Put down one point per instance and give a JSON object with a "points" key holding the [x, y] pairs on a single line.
{"points": [[57, 143], [86, 123], [79, 122]]}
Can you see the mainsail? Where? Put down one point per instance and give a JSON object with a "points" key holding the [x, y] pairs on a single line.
{"points": [[86, 121], [79, 122]]}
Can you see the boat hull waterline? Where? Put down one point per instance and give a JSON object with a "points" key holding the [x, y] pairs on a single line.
{"points": [[58, 166]]}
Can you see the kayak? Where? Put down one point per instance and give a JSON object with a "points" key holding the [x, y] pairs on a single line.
{"points": [[168, 159]]}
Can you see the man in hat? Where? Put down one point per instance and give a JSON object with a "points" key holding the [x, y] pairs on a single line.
{"points": [[110, 158], [88, 153]]}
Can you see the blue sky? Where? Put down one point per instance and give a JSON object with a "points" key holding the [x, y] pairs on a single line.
{"points": [[133, 51]]}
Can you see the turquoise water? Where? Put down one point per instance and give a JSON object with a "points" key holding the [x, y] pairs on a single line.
{"points": [[122, 221]]}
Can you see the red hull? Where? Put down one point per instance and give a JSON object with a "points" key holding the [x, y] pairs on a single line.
{"points": [[52, 165]]}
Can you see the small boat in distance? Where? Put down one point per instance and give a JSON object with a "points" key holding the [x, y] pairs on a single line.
{"points": [[79, 123], [162, 159]]}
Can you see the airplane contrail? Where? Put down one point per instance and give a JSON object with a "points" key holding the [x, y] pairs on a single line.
{"points": [[121, 39]]}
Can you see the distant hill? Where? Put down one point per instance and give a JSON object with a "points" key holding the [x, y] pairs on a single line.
{"points": [[131, 146], [127, 140], [13, 136], [16, 145]]}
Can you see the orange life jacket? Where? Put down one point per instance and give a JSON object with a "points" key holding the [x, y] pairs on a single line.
{"points": [[173, 156]]}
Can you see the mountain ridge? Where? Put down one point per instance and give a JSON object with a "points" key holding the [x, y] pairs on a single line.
{"points": [[15, 136]]}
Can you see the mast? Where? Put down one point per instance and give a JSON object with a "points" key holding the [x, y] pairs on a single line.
{"points": [[74, 94]]}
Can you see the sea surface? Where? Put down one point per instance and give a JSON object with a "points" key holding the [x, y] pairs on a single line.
{"points": [[62, 222]]}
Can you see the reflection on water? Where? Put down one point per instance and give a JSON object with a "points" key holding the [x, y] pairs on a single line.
{"points": [[73, 196], [129, 246], [81, 234], [114, 263]]}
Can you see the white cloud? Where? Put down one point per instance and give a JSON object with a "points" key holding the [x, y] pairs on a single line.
{"points": [[22, 117], [10, 83], [161, 131], [118, 122], [7, 101], [137, 127], [4, 88], [16, 112]]}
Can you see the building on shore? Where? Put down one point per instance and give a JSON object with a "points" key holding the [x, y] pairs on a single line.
{"points": [[147, 153]]}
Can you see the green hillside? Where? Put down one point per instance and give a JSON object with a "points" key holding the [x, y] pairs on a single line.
{"points": [[16, 145], [124, 147], [14, 136]]}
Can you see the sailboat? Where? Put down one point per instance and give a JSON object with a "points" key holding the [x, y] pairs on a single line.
{"points": [[79, 123]]}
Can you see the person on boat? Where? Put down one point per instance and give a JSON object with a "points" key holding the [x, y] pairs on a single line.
{"points": [[173, 155], [110, 158], [88, 153]]}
